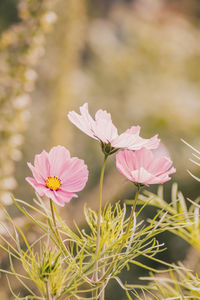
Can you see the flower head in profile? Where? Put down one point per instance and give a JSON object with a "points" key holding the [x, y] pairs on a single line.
{"points": [[144, 166], [57, 175], [101, 128]]}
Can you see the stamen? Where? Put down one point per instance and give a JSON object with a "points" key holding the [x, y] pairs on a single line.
{"points": [[53, 183]]}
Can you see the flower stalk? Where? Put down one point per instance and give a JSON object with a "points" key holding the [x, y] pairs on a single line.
{"points": [[100, 205], [58, 237], [48, 295], [99, 225]]}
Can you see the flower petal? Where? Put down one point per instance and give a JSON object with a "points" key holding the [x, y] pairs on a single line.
{"points": [[134, 142], [71, 173], [41, 163], [52, 195], [57, 157], [74, 175], [134, 130], [83, 121], [142, 176], [40, 188], [102, 114], [143, 166], [123, 162], [103, 128], [36, 174], [64, 197], [143, 158], [160, 165]]}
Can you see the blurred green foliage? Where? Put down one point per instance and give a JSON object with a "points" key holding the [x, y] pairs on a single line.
{"points": [[8, 13], [21, 46]]}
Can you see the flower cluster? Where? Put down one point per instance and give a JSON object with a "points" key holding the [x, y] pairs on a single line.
{"points": [[58, 176]]}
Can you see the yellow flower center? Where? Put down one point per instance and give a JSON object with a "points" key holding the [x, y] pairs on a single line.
{"points": [[53, 183]]}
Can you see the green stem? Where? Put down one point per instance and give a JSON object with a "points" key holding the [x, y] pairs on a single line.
{"points": [[102, 295], [58, 237], [127, 230], [102, 289], [100, 205], [99, 225], [48, 296]]}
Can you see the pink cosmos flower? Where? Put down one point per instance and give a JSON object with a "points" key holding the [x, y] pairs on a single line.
{"points": [[144, 166], [101, 128], [57, 175]]}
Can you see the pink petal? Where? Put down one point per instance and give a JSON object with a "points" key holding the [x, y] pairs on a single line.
{"points": [[74, 176], [64, 197], [161, 151], [123, 162], [160, 179], [160, 165], [36, 174], [172, 171], [85, 113], [52, 195], [83, 121], [152, 143], [166, 174], [141, 176], [126, 141], [144, 177], [143, 166], [41, 164], [130, 159], [105, 131], [75, 184], [143, 158], [103, 127], [134, 141], [57, 157], [102, 114], [40, 188], [134, 130]]}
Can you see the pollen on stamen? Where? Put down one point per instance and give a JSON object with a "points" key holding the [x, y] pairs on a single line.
{"points": [[53, 183]]}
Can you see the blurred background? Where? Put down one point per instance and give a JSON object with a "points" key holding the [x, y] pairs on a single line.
{"points": [[138, 59]]}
